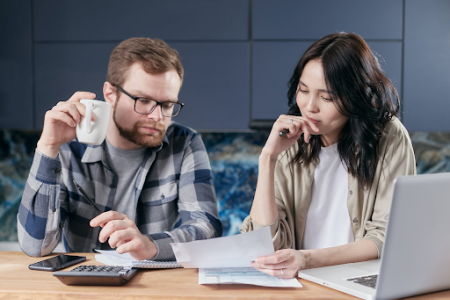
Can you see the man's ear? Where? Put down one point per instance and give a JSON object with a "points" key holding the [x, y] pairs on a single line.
{"points": [[109, 92]]}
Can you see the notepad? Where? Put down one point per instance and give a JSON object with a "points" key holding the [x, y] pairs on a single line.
{"points": [[112, 258]]}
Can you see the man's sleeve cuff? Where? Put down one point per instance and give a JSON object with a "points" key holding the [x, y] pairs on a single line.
{"points": [[45, 168], [162, 242]]}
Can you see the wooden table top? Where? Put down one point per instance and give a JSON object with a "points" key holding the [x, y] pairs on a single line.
{"points": [[18, 282]]}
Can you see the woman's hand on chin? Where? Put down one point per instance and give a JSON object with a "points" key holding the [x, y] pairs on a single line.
{"points": [[291, 127]]}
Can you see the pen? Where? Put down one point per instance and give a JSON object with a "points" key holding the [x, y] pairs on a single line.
{"points": [[284, 132], [89, 200]]}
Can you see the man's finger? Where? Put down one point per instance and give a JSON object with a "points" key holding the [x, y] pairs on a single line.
{"points": [[53, 115], [126, 247], [71, 109], [81, 95], [111, 228], [106, 217], [119, 237]]}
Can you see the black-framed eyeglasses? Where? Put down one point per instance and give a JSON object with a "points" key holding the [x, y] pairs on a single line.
{"points": [[146, 106]]}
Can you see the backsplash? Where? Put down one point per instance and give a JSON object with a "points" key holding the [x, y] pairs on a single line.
{"points": [[234, 162]]}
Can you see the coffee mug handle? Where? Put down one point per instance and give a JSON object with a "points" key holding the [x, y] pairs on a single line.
{"points": [[87, 119]]}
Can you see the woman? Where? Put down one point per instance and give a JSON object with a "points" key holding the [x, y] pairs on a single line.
{"points": [[327, 169]]}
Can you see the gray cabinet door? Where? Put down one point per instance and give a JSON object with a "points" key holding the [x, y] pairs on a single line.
{"points": [[72, 53], [427, 65], [215, 88], [283, 30], [273, 64], [305, 19], [16, 103], [116, 20], [238, 54], [62, 69], [216, 85]]}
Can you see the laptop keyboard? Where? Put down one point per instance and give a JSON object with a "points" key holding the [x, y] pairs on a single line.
{"points": [[369, 280]]}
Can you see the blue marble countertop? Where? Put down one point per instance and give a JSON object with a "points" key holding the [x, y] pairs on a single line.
{"points": [[234, 162]]}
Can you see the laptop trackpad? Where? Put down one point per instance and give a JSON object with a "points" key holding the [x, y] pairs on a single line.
{"points": [[371, 266]]}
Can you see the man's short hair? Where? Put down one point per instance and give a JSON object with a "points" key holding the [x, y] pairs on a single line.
{"points": [[154, 55]]}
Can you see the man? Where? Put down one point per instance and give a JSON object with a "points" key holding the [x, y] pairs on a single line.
{"points": [[151, 176]]}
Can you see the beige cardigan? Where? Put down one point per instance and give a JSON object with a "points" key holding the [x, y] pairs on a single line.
{"points": [[368, 209]]}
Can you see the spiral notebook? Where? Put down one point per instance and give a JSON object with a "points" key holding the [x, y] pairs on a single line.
{"points": [[112, 258], [155, 264]]}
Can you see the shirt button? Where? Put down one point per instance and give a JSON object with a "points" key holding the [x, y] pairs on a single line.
{"points": [[162, 196], [355, 220], [351, 192], [57, 170]]}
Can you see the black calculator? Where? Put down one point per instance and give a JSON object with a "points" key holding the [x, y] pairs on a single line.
{"points": [[96, 275]]}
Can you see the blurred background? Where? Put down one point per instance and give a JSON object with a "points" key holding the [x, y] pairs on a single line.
{"points": [[238, 56]]}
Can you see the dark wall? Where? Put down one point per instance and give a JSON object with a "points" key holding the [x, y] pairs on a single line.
{"points": [[238, 54], [427, 65], [16, 55]]}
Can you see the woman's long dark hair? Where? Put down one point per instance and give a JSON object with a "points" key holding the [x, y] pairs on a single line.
{"points": [[360, 91]]}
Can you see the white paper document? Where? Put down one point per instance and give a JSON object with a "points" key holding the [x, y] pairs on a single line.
{"points": [[225, 252], [243, 276], [112, 258]]}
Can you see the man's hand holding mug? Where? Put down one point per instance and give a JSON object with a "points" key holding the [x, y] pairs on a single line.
{"points": [[64, 122]]}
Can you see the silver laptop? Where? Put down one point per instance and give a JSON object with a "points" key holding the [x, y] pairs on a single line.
{"points": [[416, 253]]}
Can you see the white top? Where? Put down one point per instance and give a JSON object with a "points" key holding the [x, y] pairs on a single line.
{"points": [[328, 222]]}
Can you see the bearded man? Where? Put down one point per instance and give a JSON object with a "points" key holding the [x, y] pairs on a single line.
{"points": [[150, 178]]}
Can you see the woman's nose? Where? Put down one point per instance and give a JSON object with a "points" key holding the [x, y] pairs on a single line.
{"points": [[312, 104]]}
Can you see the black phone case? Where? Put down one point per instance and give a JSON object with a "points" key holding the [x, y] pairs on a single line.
{"points": [[37, 266]]}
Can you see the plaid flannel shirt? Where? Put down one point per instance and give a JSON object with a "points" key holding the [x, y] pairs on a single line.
{"points": [[174, 196]]}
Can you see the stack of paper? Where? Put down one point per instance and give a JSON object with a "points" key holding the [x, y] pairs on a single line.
{"points": [[227, 259]]}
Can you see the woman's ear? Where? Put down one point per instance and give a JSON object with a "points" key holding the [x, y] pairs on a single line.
{"points": [[109, 92]]}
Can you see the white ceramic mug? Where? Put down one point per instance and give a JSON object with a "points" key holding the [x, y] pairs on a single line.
{"points": [[94, 132]]}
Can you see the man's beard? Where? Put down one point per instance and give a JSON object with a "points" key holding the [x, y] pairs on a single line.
{"points": [[142, 139]]}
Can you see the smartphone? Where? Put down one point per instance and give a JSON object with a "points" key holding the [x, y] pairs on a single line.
{"points": [[57, 262]]}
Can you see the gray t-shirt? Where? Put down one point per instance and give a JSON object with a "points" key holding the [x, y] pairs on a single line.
{"points": [[125, 163]]}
